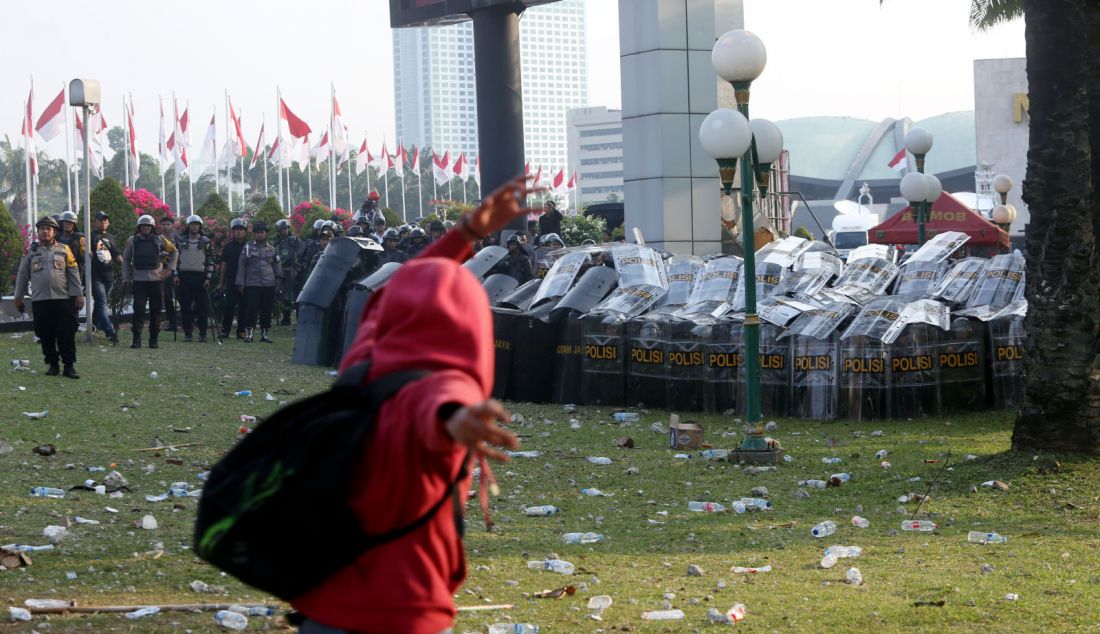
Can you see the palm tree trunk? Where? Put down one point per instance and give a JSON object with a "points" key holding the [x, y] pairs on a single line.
{"points": [[1061, 409]]}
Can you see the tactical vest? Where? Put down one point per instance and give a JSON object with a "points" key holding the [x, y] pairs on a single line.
{"points": [[192, 255], [146, 253]]}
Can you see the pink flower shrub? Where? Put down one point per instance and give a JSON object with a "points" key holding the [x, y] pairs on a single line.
{"points": [[146, 202]]}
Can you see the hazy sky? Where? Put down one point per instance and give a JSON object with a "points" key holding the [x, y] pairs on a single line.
{"points": [[835, 57]]}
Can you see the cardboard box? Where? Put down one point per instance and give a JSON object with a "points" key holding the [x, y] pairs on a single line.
{"points": [[684, 435]]}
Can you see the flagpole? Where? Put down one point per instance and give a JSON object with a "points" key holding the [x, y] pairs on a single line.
{"points": [[214, 156], [27, 180], [419, 187], [229, 166], [175, 167], [351, 204], [126, 153], [68, 164], [332, 145], [76, 179], [30, 142]]}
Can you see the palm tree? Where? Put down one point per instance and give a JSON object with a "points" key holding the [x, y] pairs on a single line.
{"points": [[985, 14]]}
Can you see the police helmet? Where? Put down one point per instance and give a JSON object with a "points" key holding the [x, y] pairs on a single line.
{"points": [[403, 229], [552, 237], [513, 238], [238, 223], [146, 220], [102, 215], [282, 224], [588, 243], [68, 216], [317, 224], [391, 234], [48, 221], [417, 232], [436, 226], [195, 218], [355, 231], [328, 225], [413, 225], [379, 221], [259, 225]]}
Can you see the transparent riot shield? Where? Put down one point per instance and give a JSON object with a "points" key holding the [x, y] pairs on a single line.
{"points": [[919, 278], [568, 362], [959, 282], [686, 387], [1006, 361], [484, 260], [604, 360], [646, 366], [864, 389], [815, 376], [915, 372], [683, 270], [999, 282], [775, 371], [521, 297], [961, 357], [499, 286], [724, 357]]}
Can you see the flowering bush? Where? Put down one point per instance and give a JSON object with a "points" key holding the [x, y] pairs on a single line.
{"points": [[146, 202], [305, 214], [577, 229]]}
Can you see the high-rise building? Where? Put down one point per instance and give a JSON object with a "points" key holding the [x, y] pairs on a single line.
{"points": [[435, 97], [596, 153]]}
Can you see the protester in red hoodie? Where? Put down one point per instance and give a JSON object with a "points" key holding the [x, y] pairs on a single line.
{"points": [[432, 315]]}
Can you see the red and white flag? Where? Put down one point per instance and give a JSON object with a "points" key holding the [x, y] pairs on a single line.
{"points": [[97, 125], [276, 155], [399, 161], [28, 136], [414, 162], [291, 123], [572, 184], [363, 158], [441, 168], [52, 120], [209, 155], [538, 178], [320, 151], [898, 163], [299, 152], [178, 141], [236, 136], [558, 181], [339, 132], [461, 167], [385, 161], [477, 171], [527, 168], [344, 155], [259, 148], [162, 141], [131, 143]]}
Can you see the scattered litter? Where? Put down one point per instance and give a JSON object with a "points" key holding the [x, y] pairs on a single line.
{"points": [[12, 559], [524, 454], [881, 453], [929, 604], [706, 507], [831, 460], [854, 577], [55, 533], [45, 450], [715, 454], [824, 529], [877, 433], [268, 397], [599, 602], [47, 604], [513, 628], [1012, 596], [231, 620], [860, 522], [143, 612], [540, 511], [788, 458], [583, 538], [921, 526], [204, 588], [553, 565], [771, 426], [19, 614], [813, 484], [755, 470], [681, 456], [996, 484], [971, 456], [978, 537], [569, 408], [574, 423], [47, 492], [243, 393], [596, 493], [658, 428], [114, 481], [759, 492], [152, 375], [84, 520], [663, 615], [110, 510], [694, 570], [36, 415], [148, 522], [27, 549], [751, 570], [600, 460], [731, 617], [245, 418], [625, 417], [557, 593]]}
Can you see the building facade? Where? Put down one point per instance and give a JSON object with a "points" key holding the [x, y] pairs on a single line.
{"points": [[435, 97], [1001, 122], [596, 154]]}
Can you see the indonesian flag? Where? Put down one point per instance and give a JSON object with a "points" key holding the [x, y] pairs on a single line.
{"points": [[52, 119], [339, 131], [131, 142], [414, 165], [459, 169], [898, 163], [276, 155], [399, 163], [343, 156], [363, 158], [162, 142], [292, 124], [236, 137], [538, 177], [259, 148], [320, 151], [441, 168], [299, 152], [383, 163], [572, 184], [559, 180], [527, 168], [28, 134], [178, 141], [477, 171], [97, 125], [209, 157]]}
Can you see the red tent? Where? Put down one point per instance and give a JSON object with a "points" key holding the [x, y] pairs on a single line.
{"points": [[948, 214]]}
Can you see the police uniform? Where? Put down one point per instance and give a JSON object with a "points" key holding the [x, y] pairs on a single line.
{"points": [[104, 253], [257, 271], [143, 264], [230, 257], [54, 280], [287, 249], [169, 297], [193, 273]]}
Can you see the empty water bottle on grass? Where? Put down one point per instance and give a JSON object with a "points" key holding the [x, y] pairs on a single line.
{"points": [[47, 492], [978, 537], [231, 620], [143, 612], [513, 628], [861, 522], [663, 615], [625, 417], [921, 526], [553, 565], [706, 507], [540, 511], [824, 529], [582, 538]]}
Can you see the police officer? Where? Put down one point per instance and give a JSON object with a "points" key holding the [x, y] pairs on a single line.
{"points": [[72, 238], [54, 278], [143, 263], [516, 263], [324, 237], [287, 248], [169, 233], [105, 255], [379, 228], [257, 272], [436, 231], [230, 257], [192, 276], [550, 220], [416, 242], [390, 252]]}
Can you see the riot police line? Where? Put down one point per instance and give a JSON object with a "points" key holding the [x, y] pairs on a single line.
{"points": [[626, 324]]}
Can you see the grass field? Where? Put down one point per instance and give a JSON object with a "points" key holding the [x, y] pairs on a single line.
{"points": [[1050, 515]]}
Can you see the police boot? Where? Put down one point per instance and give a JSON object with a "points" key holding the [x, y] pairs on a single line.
{"points": [[54, 370], [153, 334], [264, 332], [248, 335], [70, 371], [187, 337], [137, 339]]}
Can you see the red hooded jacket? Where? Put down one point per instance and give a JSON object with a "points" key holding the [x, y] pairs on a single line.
{"points": [[432, 315]]}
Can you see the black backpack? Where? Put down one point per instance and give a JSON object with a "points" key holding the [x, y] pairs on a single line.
{"points": [[274, 511]]}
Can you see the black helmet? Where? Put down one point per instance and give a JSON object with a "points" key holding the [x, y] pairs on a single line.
{"points": [[259, 225], [317, 224], [379, 221], [513, 238], [48, 221], [354, 231], [391, 234], [101, 215], [282, 224], [417, 232], [551, 237], [68, 216], [404, 229], [238, 223], [436, 226]]}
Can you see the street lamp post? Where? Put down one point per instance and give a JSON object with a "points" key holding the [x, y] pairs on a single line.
{"points": [[85, 94], [919, 141], [1004, 214], [914, 188], [739, 57], [935, 188]]}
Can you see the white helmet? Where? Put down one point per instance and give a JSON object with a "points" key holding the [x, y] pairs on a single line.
{"points": [[195, 218], [146, 219]]}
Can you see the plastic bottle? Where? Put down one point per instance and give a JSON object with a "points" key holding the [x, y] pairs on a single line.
{"points": [[881, 453], [553, 565], [861, 522], [921, 526], [143, 612], [824, 529], [47, 492], [47, 603], [252, 610], [843, 477], [854, 576], [828, 561], [231, 620], [706, 507], [19, 614], [738, 507], [513, 628], [27, 549], [813, 484], [715, 454], [663, 615], [540, 511], [601, 460], [242, 393], [596, 493], [179, 489], [582, 538], [978, 537], [524, 454], [94, 469], [840, 552], [737, 613], [245, 418], [831, 460], [751, 569], [625, 417], [759, 503]]}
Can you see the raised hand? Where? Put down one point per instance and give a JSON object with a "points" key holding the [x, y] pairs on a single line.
{"points": [[501, 207], [476, 428]]}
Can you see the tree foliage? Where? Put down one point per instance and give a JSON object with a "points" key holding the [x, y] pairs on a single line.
{"points": [[11, 250], [986, 14], [577, 229], [215, 207], [270, 212]]}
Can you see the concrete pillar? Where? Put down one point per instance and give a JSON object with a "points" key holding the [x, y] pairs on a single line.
{"points": [[671, 188]]}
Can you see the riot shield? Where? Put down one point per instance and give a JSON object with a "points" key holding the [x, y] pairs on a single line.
{"points": [[815, 376], [784, 252], [485, 259], [724, 364], [505, 327], [865, 277], [532, 377], [498, 286], [568, 364], [682, 273], [311, 337], [593, 286], [717, 283], [864, 392], [685, 356], [775, 371], [918, 278], [646, 366], [961, 358], [328, 276], [354, 303], [521, 297], [560, 278], [604, 360], [999, 282], [1006, 361], [915, 372], [379, 278], [959, 282]]}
